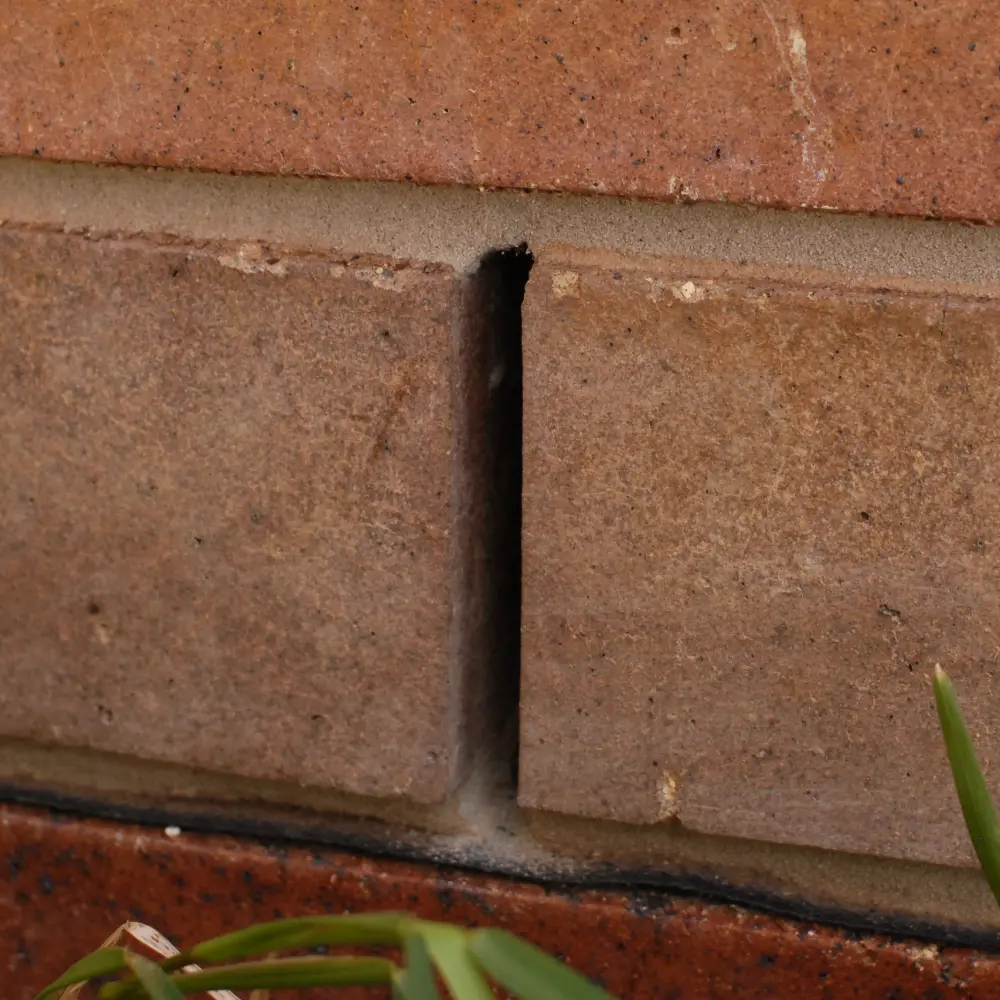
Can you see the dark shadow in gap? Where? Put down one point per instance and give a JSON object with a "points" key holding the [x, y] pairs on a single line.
{"points": [[487, 507]]}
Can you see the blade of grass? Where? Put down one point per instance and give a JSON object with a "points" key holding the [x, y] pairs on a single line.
{"points": [[257, 994], [154, 980], [449, 951], [102, 962], [973, 795], [522, 969], [282, 973], [416, 980], [294, 933]]}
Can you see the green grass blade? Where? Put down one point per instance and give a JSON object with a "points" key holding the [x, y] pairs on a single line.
{"points": [[154, 980], [449, 951], [290, 973], [416, 980], [973, 795], [277, 974], [292, 934], [103, 962], [522, 969]]}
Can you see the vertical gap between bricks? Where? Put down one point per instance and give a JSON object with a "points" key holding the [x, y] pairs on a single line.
{"points": [[487, 462]]}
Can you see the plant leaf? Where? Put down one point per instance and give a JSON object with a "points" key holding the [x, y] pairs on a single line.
{"points": [[281, 973], [526, 971], [154, 980], [102, 962], [449, 950], [416, 980], [973, 795], [295, 933]]}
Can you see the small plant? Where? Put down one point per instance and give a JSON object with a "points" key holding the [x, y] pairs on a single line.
{"points": [[465, 961], [973, 795]]}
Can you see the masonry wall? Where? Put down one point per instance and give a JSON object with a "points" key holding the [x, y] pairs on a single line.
{"points": [[539, 437]]}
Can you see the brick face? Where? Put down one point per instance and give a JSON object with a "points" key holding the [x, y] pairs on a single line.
{"points": [[226, 531], [757, 512], [260, 510], [197, 886], [859, 106]]}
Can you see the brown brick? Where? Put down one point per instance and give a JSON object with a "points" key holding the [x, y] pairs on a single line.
{"points": [[757, 511], [225, 515], [855, 104]]}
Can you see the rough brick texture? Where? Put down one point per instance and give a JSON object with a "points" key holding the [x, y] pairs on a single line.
{"points": [[757, 512], [226, 535], [639, 946], [860, 106]]}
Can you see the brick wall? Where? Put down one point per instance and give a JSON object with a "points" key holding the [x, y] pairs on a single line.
{"points": [[534, 436]]}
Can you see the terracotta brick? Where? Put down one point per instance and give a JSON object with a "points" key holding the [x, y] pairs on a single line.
{"points": [[85, 878], [226, 531], [758, 510], [862, 106]]}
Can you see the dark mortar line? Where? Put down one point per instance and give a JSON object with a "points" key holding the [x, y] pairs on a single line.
{"points": [[650, 891]]}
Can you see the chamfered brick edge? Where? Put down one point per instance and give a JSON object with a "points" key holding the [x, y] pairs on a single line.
{"points": [[851, 104], [71, 881]]}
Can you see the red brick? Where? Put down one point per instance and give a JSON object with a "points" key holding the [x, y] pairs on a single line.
{"points": [[72, 882], [226, 533], [757, 511], [864, 106]]}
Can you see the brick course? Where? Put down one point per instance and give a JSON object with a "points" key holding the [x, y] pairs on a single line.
{"points": [[861, 107], [639, 946]]}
